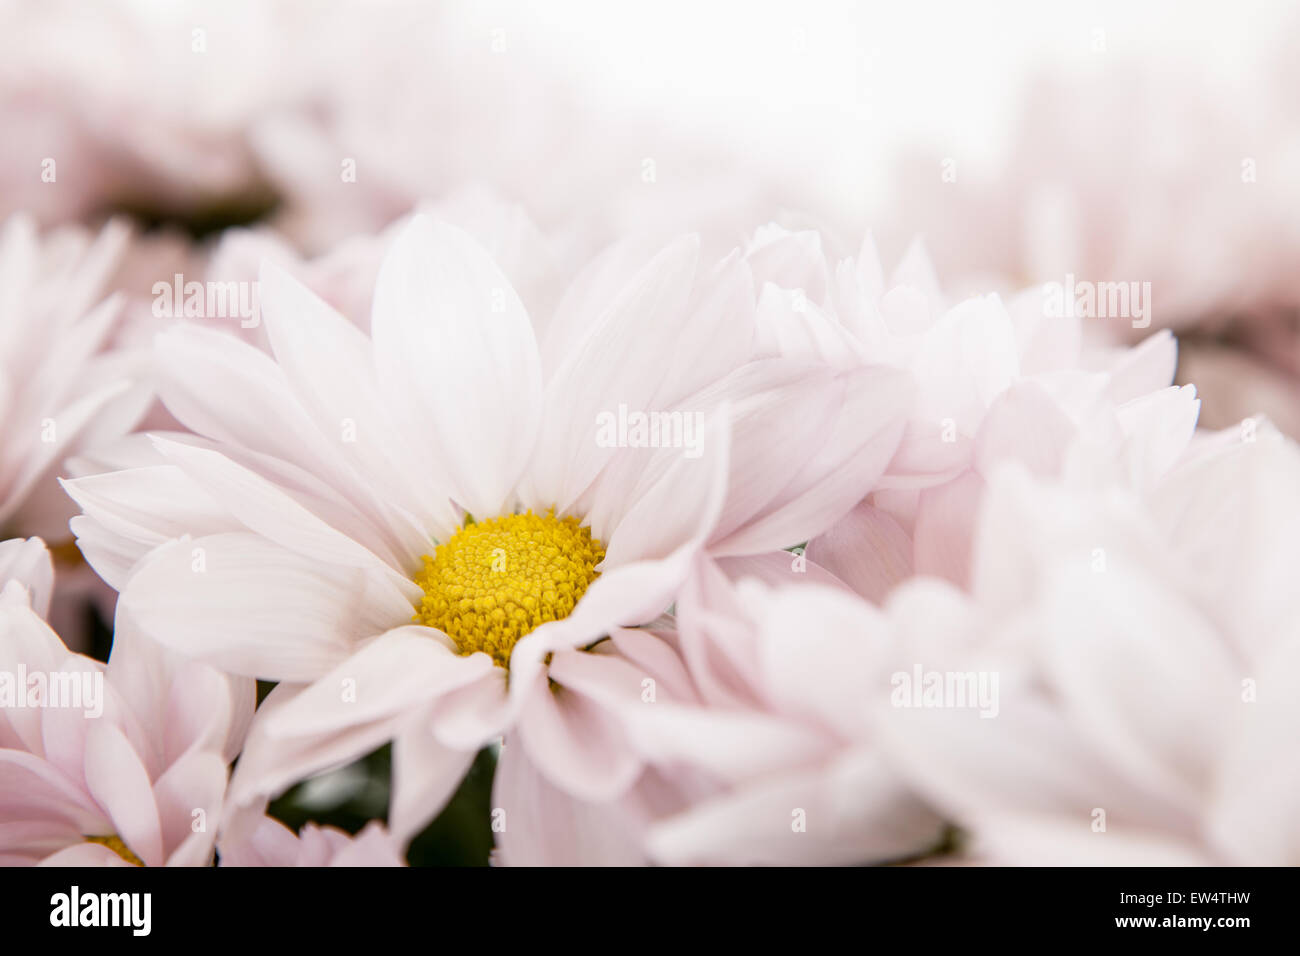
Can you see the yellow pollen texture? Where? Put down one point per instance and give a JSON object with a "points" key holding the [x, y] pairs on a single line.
{"points": [[115, 844], [493, 582]]}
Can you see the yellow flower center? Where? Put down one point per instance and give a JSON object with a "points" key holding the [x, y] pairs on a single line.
{"points": [[115, 844], [492, 582]]}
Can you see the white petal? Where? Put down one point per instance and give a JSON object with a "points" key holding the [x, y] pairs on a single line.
{"points": [[450, 332], [621, 361], [250, 607]]}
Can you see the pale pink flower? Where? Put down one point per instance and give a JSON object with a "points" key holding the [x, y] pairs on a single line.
{"points": [[59, 389], [130, 769], [995, 383], [1145, 645], [64, 387]]}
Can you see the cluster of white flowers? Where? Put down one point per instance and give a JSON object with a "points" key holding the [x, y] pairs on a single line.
{"points": [[752, 555]]}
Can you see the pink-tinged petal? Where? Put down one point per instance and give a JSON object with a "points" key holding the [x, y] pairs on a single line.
{"points": [[1235, 517], [676, 504], [931, 621], [78, 351], [791, 326], [1144, 369], [33, 790], [85, 854], [715, 637], [904, 312], [776, 568], [252, 608], [120, 784], [450, 333], [470, 716], [1163, 723], [819, 649], [853, 810], [24, 842], [28, 562], [369, 848], [189, 795], [26, 642], [1024, 425], [1048, 343], [537, 824], [969, 357], [791, 260], [399, 670], [868, 272], [643, 320], [781, 413], [1026, 760], [173, 705], [64, 729], [568, 732], [866, 549], [1057, 840], [730, 745], [1157, 429], [271, 843], [317, 845], [867, 428], [42, 457], [109, 556], [1026, 527], [589, 295], [132, 511], [425, 775], [363, 702], [916, 270], [717, 336], [946, 518], [934, 448], [656, 660], [1252, 818]]}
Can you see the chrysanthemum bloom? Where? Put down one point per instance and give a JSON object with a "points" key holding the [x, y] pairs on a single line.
{"points": [[404, 528], [106, 765], [274, 844], [63, 387], [1145, 646], [995, 383]]}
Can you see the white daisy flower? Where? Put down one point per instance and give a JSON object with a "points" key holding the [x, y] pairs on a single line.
{"points": [[402, 529]]}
